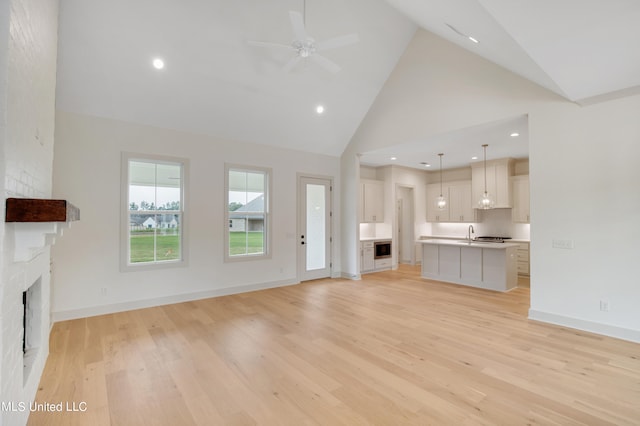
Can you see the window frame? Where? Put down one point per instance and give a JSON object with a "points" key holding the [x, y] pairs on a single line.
{"points": [[267, 213], [125, 228]]}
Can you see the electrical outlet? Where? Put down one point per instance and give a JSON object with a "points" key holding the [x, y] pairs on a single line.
{"points": [[604, 305], [103, 291], [562, 244]]}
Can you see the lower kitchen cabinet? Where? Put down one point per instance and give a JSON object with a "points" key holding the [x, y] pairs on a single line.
{"points": [[368, 261], [382, 263], [367, 252], [523, 259]]}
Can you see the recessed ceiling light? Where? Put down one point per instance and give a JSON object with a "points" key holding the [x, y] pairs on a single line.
{"points": [[158, 63], [474, 158], [473, 39], [515, 134], [320, 109], [393, 158], [426, 164]]}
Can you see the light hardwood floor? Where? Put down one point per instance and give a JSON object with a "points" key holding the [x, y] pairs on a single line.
{"points": [[392, 349]]}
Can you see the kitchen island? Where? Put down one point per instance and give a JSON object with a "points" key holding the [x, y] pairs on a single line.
{"points": [[492, 266]]}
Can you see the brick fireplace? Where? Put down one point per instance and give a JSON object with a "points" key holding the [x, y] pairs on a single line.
{"points": [[31, 228]]}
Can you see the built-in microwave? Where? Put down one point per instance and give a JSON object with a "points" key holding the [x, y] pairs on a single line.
{"points": [[382, 249]]}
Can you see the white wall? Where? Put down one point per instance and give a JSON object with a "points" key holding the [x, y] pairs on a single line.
{"points": [[438, 87], [28, 49], [350, 211], [87, 171], [584, 188]]}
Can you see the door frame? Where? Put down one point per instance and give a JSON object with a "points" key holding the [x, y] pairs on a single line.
{"points": [[300, 259]]}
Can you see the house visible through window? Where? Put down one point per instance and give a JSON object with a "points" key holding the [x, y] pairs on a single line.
{"points": [[155, 210], [247, 212]]}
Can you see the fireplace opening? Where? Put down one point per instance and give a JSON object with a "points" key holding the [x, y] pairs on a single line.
{"points": [[24, 322], [31, 325]]}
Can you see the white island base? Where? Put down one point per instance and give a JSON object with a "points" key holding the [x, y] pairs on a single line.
{"points": [[492, 266]]}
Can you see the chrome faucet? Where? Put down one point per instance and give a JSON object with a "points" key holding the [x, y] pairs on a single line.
{"points": [[471, 230]]}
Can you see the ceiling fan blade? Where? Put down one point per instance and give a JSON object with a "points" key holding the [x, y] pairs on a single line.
{"points": [[339, 41], [292, 63], [269, 44], [297, 24], [325, 63]]}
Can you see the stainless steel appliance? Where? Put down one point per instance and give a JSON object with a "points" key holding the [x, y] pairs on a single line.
{"points": [[382, 249]]}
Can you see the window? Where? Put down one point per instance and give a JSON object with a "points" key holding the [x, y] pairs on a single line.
{"points": [[153, 211], [247, 212]]}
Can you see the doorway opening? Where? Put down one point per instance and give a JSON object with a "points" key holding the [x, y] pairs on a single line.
{"points": [[405, 225]]}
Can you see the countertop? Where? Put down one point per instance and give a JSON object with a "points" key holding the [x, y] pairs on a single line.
{"points": [[453, 237], [462, 243], [375, 239]]}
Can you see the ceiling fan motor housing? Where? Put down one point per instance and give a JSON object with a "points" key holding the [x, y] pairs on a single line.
{"points": [[305, 48]]}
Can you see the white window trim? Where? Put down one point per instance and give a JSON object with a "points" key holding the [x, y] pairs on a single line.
{"points": [[268, 213], [125, 265]]}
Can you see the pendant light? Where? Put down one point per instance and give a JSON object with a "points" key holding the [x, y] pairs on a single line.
{"points": [[486, 202], [441, 203]]}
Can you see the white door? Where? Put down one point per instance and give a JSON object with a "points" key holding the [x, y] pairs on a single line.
{"points": [[314, 225]]}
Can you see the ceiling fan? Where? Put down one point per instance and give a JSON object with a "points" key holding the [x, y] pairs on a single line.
{"points": [[305, 47]]}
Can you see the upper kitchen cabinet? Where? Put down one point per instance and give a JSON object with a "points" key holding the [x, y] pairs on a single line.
{"points": [[372, 201], [434, 214], [499, 174], [520, 212], [459, 202]]}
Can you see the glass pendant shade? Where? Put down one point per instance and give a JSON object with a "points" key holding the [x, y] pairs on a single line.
{"points": [[441, 202], [486, 202]]}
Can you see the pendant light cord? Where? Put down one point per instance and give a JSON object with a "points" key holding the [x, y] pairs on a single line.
{"points": [[304, 13], [485, 167], [440, 155]]}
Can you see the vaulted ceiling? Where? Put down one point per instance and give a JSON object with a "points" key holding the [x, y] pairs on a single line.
{"points": [[581, 49], [215, 83]]}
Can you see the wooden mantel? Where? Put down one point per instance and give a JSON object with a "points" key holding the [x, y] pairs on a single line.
{"points": [[40, 210]]}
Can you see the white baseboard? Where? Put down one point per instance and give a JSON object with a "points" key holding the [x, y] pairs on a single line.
{"points": [[167, 300], [585, 325], [349, 276]]}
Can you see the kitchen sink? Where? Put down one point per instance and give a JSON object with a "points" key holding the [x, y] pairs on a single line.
{"points": [[466, 241]]}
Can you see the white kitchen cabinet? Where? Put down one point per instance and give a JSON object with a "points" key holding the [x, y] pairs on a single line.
{"points": [[459, 202], [434, 214], [520, 187], [372, 201], [499, 173], [492, 266], [470, 264], [382, 263], [523, 259], [367, 252]]}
